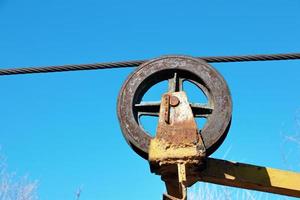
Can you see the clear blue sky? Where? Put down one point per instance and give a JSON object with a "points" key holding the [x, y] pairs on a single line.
{"points": [[62, 129]]}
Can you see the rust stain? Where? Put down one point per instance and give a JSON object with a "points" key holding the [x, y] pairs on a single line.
{"points": [[177, 138]]}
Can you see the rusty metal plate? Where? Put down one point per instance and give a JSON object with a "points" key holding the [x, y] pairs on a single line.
{"points": [[175, 69], [177, 139]]}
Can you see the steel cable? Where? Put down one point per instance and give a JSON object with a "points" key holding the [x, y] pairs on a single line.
{"points": [[109, 65]]}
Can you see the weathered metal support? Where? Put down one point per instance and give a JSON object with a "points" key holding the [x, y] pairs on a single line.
{"points": [[249, 177], [177, 139], [238, 175], [176, 146], [179, 151]]}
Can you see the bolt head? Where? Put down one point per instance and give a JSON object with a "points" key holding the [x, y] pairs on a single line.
{"points": [[174, 101]]}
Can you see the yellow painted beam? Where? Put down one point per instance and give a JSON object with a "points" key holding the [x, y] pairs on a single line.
{"points": [[251, 177]]}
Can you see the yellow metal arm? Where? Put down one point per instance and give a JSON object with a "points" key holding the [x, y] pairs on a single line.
{"points": [[251, 177]]}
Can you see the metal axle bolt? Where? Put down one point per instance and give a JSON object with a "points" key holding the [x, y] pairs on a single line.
{"points": [[174, 101]]}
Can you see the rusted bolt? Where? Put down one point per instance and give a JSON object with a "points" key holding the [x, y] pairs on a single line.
{"points": [[174, 101]]}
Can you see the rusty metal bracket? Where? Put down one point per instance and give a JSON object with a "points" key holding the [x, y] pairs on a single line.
{"points": [[180, 148], [176, 145], [177, 139]]}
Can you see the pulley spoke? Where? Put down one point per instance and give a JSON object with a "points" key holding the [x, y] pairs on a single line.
{"points": [[148, 108], [175, 83], [201, 110]]}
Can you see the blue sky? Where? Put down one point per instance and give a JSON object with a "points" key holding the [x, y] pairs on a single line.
{"points": [[62, 128]]}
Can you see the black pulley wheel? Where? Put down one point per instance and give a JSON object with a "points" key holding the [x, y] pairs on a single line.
{"points": [[175, 69]]}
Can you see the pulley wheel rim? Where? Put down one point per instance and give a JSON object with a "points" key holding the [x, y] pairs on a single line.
{"points": [[200, 73]]}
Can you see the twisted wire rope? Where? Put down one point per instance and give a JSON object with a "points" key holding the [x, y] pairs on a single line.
{"points": [[134, 63]]}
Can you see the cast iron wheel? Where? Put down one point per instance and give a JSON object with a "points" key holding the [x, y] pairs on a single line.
{"points": [[175, 69]]}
